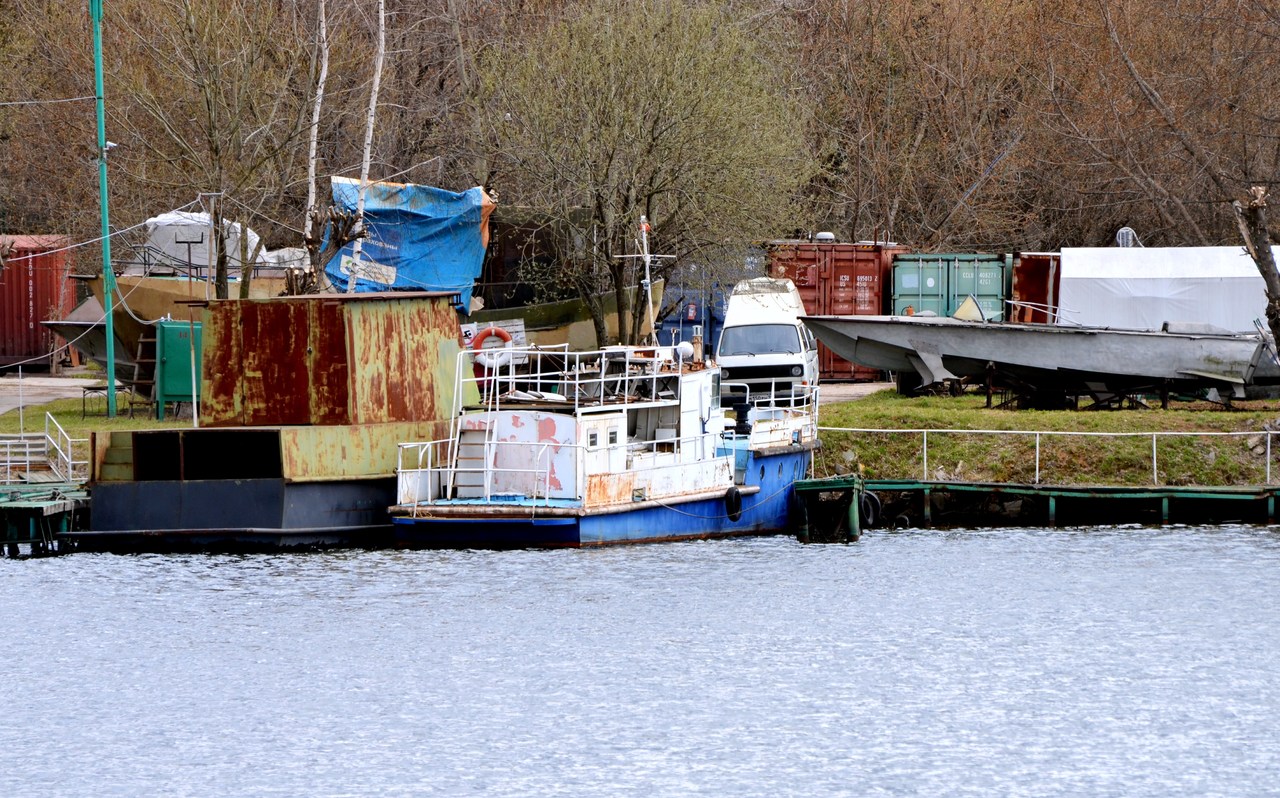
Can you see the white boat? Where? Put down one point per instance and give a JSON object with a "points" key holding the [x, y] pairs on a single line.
{"points": [[553, 448]]}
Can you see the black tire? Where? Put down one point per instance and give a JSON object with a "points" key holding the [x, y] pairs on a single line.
{"points": [[870, 508], [733, 504]]}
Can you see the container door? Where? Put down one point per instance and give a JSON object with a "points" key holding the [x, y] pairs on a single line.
{"points": [[854, 286]]}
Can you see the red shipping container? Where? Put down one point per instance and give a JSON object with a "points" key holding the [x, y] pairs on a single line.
{"points": [[33, 288], [1035, 287], [838, 280]]}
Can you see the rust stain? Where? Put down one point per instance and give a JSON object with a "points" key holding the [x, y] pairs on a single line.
{"points": [[608, 489], [329, 360]]}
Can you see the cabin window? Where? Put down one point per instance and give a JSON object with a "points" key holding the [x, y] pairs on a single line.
{"points": [[613, 437], [593, 439]]}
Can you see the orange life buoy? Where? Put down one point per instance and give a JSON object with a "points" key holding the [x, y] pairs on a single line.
{"points": [[496, 360]]}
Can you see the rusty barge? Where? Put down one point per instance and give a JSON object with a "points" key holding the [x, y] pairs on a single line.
{"points": [[303, 402]]}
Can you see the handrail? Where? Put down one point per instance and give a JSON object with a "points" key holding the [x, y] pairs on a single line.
{"points": [[63, 445], [1038, 434], [16, 452]]}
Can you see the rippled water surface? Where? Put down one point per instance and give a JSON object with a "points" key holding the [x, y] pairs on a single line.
{"points": [[1119, 662]]}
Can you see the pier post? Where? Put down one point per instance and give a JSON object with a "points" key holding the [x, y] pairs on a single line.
{"points": [[1053, 511], [855, 516]]}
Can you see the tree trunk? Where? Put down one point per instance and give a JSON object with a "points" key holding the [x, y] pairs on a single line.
{"points": [[1252, 220], [311, 210], [378, 58]]}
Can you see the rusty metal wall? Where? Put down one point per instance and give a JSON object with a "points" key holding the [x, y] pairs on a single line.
{"points": [[33, 288], [330, 359], [350, 451]]}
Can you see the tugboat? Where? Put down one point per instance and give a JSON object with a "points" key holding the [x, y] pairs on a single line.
{"points": [[626, 444]]}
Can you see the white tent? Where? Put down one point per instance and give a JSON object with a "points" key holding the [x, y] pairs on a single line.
{"points": [[1141, 288], [184, 239]]}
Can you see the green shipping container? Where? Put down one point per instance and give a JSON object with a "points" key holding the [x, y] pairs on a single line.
{"points": [[940, 282], [919, 284]]}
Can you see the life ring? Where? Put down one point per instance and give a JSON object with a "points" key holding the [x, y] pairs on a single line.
{"points": [[492, 360], [733, 503]]}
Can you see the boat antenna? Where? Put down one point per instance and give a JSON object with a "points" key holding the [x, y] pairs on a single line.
{"points": [[647, 283]]}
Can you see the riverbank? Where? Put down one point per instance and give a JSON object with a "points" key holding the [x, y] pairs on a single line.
{"points": [[1197, 443]]}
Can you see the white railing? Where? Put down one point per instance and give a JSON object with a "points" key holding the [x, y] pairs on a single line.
{"points": [[18, 453], [1039, 435], [61, 452], [54, 449], [626, 375]]}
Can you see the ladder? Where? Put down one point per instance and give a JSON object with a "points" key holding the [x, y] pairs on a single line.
{"points": [[143, 384]]}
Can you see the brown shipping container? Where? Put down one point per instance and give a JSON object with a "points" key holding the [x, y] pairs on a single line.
{"points": [[838, 280], [33, 288], [1035, 287]]}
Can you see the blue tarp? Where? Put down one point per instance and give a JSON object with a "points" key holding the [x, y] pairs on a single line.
{"points": [[419, 238]]}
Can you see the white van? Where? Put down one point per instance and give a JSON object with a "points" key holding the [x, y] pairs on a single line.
{"points": [[763, 343]]}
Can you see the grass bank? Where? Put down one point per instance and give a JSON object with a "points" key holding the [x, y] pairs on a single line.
{"points": [[1066, 460], [68, 414]]}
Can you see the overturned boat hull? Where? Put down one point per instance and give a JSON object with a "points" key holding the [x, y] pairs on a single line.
{"points": [[1049, 357]]}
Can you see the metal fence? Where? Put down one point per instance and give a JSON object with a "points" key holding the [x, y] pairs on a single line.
{"points": [[1038, 436]]}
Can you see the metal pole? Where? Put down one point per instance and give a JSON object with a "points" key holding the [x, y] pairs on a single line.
{"points": [[925, 449], [108, 277], [1037, 458], [1155, 471]]}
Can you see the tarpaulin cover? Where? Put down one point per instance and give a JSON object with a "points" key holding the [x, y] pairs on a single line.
{"points": [[419, 238], [184, 240], [1140, 288]]}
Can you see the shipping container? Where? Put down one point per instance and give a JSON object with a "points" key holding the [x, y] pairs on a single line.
{"points": [[1034, 293], [939, 282], [837, 279], [33, 288]]}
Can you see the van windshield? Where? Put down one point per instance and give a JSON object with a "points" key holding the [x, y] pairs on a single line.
{"points": [[760, 339]]}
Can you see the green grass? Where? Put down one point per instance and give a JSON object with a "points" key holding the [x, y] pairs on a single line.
{"points": [[68, 411], [1071, 460]]}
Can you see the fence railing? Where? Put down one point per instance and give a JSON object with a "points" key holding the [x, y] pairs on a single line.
{"points": [[34, 451], [1040, 435]]}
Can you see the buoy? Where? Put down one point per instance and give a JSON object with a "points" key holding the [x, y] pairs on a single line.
{"points": [[495, 359]]}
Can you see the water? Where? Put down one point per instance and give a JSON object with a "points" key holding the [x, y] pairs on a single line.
{"points": [[1121, 662]]}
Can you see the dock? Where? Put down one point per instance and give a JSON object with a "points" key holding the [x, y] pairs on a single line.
{"points": [[34, 517], [839, 508]]}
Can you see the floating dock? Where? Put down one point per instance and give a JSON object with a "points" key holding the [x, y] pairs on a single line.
{"points": [[35, 517], [840, 508]]}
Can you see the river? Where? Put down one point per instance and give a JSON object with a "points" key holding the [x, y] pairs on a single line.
{"points": [[1097, 662]]}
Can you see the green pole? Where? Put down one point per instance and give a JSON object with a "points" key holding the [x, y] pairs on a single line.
{"points": [[108, 277]]}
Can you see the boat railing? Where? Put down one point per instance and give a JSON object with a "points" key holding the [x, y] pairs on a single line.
{"points": [[789, 405], [428, 470], [1254, 440], [610, 376], [1055, 314]]}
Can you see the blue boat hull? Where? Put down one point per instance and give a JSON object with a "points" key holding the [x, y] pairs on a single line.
{"points": [[767, 511]]}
